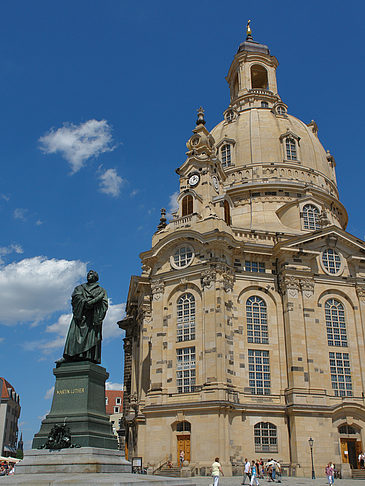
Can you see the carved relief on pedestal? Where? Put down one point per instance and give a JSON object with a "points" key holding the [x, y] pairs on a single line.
{"points": [[290, 285], [307, 285], [157, 288]]}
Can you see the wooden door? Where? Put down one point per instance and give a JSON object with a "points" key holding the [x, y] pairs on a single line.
{"points": [[344, 451], [183, 444]]}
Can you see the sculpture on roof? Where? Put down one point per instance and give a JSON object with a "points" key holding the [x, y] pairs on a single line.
{"points": [[89, 306]]}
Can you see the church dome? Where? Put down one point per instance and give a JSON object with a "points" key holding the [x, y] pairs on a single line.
{"points": [[282, 144], [275, 166]]}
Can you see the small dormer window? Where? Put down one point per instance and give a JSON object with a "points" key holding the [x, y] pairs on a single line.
{"points": [[291, 149], [226, 155], [264, 104], [280, 110], [311, 217], [229, 115]]}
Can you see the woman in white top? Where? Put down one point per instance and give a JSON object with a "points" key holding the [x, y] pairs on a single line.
{"points": [[216, 469]]}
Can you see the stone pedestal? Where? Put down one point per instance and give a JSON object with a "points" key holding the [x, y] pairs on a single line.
{"points": [[82, 460], [79, 402]]}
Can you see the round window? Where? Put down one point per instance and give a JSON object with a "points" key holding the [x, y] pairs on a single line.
{"points": [[182, 257], [331, 261]]}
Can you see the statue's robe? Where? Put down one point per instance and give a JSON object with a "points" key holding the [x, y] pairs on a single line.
{"points": [[85, 333]]}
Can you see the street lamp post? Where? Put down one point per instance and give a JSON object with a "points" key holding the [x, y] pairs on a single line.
{"points": [[311, 442]]}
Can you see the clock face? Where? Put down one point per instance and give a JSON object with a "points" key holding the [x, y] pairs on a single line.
{"points": [[215, 183], [194, 179]]}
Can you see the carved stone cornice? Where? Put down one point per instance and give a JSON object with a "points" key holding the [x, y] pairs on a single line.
{"points": [[157, 288]]}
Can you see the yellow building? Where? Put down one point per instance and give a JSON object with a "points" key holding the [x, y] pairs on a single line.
{"points": [[245, 330]]}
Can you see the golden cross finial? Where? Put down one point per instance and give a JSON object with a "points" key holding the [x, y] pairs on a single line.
{"points": [[248, 30]]}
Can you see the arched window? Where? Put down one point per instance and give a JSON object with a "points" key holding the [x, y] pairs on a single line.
{"points": [[187, 205], [186, 317], [347, 429], [291, 149], [266, 437], [264, 104], [256, 316], [311, 217], [335, 323], [259, 77], [226, 155], [227, 213], [184, 426]]}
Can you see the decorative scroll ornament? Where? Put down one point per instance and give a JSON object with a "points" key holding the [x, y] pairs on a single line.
{"points": [[361, 293], [226, 275], [157, 289], [207, 278], [307, 286], [290, 285]]}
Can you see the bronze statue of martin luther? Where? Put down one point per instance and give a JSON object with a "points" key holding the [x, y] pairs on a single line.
{"points": [[89, 306]]}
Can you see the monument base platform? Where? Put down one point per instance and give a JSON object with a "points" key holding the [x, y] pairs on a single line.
{"points": [[88, 479], [73, 460]]}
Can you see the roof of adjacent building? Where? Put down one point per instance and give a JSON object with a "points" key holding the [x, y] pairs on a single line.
{"points": [[112, 395], [5, 385]]}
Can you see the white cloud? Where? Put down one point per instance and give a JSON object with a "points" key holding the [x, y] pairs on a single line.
{"points": [[7, 250], [34, 288], [78, 143], [5, 197], [134, 192], [49, 393], [38, 222], [110, 182], [2, 339], [59, 330], [20, 213], [173, 205], [113, 386]]}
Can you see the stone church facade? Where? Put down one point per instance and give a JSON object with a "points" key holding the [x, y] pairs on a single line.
{"points": [[245, 331]]}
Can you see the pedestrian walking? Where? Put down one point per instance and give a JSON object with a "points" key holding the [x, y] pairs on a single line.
{"points": [[330, 473], [182, 458], [216, 470], [246, 472], [254, 474]]}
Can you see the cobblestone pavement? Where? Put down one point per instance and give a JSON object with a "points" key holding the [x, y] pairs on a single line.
{"points": [[236, 481]]}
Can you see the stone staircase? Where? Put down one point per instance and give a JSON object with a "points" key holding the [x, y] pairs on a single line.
{"points": [[358, 473], [171, 472]]}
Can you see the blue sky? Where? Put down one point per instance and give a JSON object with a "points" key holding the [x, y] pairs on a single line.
{"points": [[97, 101]]}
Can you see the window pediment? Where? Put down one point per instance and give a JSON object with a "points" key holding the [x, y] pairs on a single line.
{"points": [[289, 134], [225, 140]]}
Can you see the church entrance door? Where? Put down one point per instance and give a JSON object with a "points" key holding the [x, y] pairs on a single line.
{"points": [[183, 444], [349, 448]]}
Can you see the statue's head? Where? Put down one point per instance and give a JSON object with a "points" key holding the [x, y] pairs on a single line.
{"points": [[92, 276]]}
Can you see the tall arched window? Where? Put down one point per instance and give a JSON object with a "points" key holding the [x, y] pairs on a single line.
{"points": [[311, 217], [266, 437], [335, 323], [186, 317], [291, 149], [256, 316], [226, 155], [259, 77], [187, 205], [227, 213]]}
